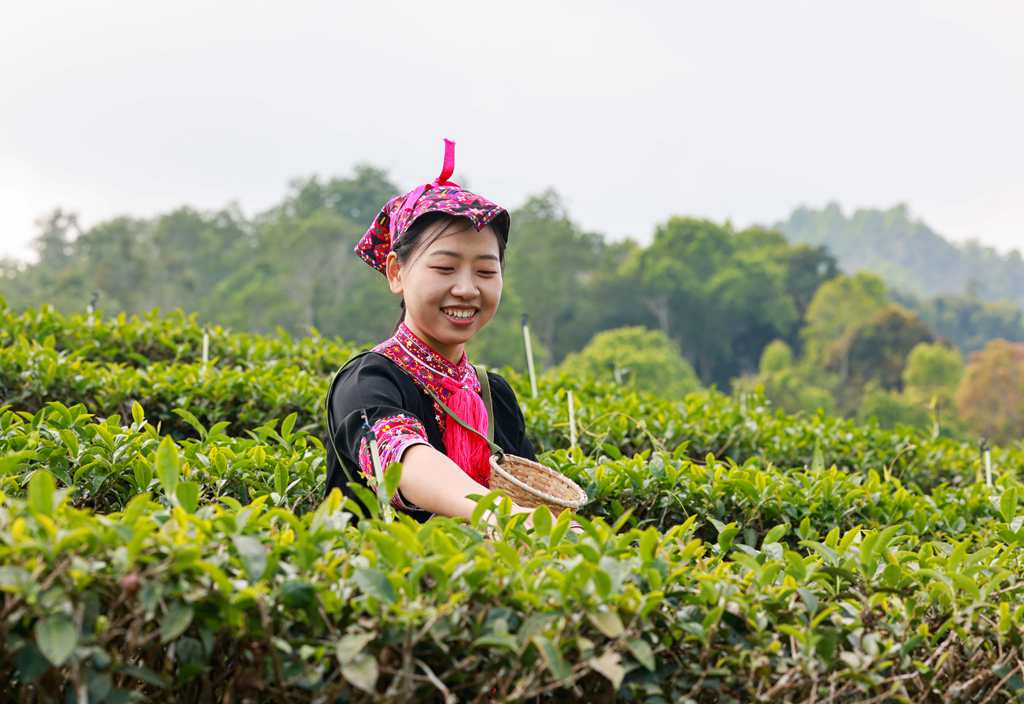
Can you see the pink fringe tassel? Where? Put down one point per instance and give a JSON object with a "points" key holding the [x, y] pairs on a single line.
{"points": [[463, 447]]}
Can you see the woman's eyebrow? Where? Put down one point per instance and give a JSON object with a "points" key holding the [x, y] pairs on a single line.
{"points": [[449, 253]]}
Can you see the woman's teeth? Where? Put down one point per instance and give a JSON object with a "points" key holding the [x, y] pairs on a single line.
{"points": [[461, 314]]}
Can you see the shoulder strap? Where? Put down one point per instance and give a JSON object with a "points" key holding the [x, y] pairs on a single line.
{"points": [[495, 448], [485, 391], [327, 410]]}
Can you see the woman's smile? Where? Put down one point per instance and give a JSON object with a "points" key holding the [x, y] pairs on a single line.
{"points": [[461, 316]]}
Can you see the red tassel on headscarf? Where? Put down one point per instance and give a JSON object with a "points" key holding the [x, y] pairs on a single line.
{"points": [[464, 448]]}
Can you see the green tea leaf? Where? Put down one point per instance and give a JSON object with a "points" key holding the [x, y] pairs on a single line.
{"points": [[727, 536], [188, 496], [144, 674], [641, 650], [374, 583], [392, 476], [189, 418], [281, 479], [775, 534], [361, 672], [818, 459], [253, 554], [288, 424], [297, 594], [609, 665], [41, 490], [350, 646], [552, 657], [168, 467], [483, 505], [541, 521], [56, 638], [648, 544], [1008, 504], [175, 621], [608, 622]]}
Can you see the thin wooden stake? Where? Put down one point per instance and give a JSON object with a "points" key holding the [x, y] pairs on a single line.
{"points": [[90, 308], [529, 355], [205, 355], [988, 466], [378, 471], [572, 422]]}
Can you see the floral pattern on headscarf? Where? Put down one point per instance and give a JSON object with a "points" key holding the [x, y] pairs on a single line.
{"points": [[441, 195]]}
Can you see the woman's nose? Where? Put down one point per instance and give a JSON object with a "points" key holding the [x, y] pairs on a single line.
{"points": [[464, 286]]}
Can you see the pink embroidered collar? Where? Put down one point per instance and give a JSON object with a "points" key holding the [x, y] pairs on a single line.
{"points": [[425, 365]]}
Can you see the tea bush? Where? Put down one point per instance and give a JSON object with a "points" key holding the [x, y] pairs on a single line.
{"points": [[164, 536]]}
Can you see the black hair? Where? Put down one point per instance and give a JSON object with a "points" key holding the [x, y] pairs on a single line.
{"points": [[413, 241]]}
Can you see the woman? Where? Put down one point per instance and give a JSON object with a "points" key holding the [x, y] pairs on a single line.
{"points": [[442, 250]]}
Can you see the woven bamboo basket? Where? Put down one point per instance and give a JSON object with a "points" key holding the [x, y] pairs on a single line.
{"points": [[531, 484]]}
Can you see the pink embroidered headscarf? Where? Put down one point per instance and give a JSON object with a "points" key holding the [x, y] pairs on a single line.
{"points": [[440, 195]]}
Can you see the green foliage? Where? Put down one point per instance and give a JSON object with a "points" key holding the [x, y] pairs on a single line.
{"points": [[990, 398], [646, 359], [792, 386], [547, 265], [721, 295], [842, 559], [875, 351], [933, 370], [891, 408], [777, 357], [839, 306]]}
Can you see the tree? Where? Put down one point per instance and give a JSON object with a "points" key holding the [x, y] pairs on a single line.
{"points": [[933, 370], [791, 386], [119, 269], [358, 198], [53, 243], [837, 307], [875, 351], [776, 357], [990, 398], [547, 264], [720, 295], [968, 322], [646, 358]]}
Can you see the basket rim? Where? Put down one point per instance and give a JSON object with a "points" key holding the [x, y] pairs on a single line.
{"points": [[581, 499]]}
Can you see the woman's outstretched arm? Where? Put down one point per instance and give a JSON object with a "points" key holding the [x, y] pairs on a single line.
{"points": [[432, 481]]}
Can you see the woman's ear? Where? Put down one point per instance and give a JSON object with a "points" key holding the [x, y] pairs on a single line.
{"points": [[394, 273]]}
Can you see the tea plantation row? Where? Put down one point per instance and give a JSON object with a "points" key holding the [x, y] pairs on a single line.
{"points": [[163, 537], [611, 419], [187, 603]]}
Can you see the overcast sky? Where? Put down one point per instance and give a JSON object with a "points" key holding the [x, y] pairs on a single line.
{"points": [[633, 111]]}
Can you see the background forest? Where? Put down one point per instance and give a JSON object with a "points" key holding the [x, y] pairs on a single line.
{"points": [[871, 315]]}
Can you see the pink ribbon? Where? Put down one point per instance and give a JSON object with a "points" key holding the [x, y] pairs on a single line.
{"points": [[447, 169]]}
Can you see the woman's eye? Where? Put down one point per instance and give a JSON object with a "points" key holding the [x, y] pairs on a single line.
{"points": [[487, 273], [443, 269]]}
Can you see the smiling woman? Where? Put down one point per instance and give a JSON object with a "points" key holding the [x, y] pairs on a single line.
{"points": [[442, 249]]}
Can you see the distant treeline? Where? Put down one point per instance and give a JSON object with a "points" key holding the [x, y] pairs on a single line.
{"points": [[721, 295], [908, 254]]}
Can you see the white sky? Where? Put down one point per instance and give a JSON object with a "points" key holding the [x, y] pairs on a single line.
{"points": [[633, 111]]}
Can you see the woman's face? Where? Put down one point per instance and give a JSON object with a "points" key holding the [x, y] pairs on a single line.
{"points": [[451, 287]]}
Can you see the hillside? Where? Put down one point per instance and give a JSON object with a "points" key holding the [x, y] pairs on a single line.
{"points": [[907, 253]]}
